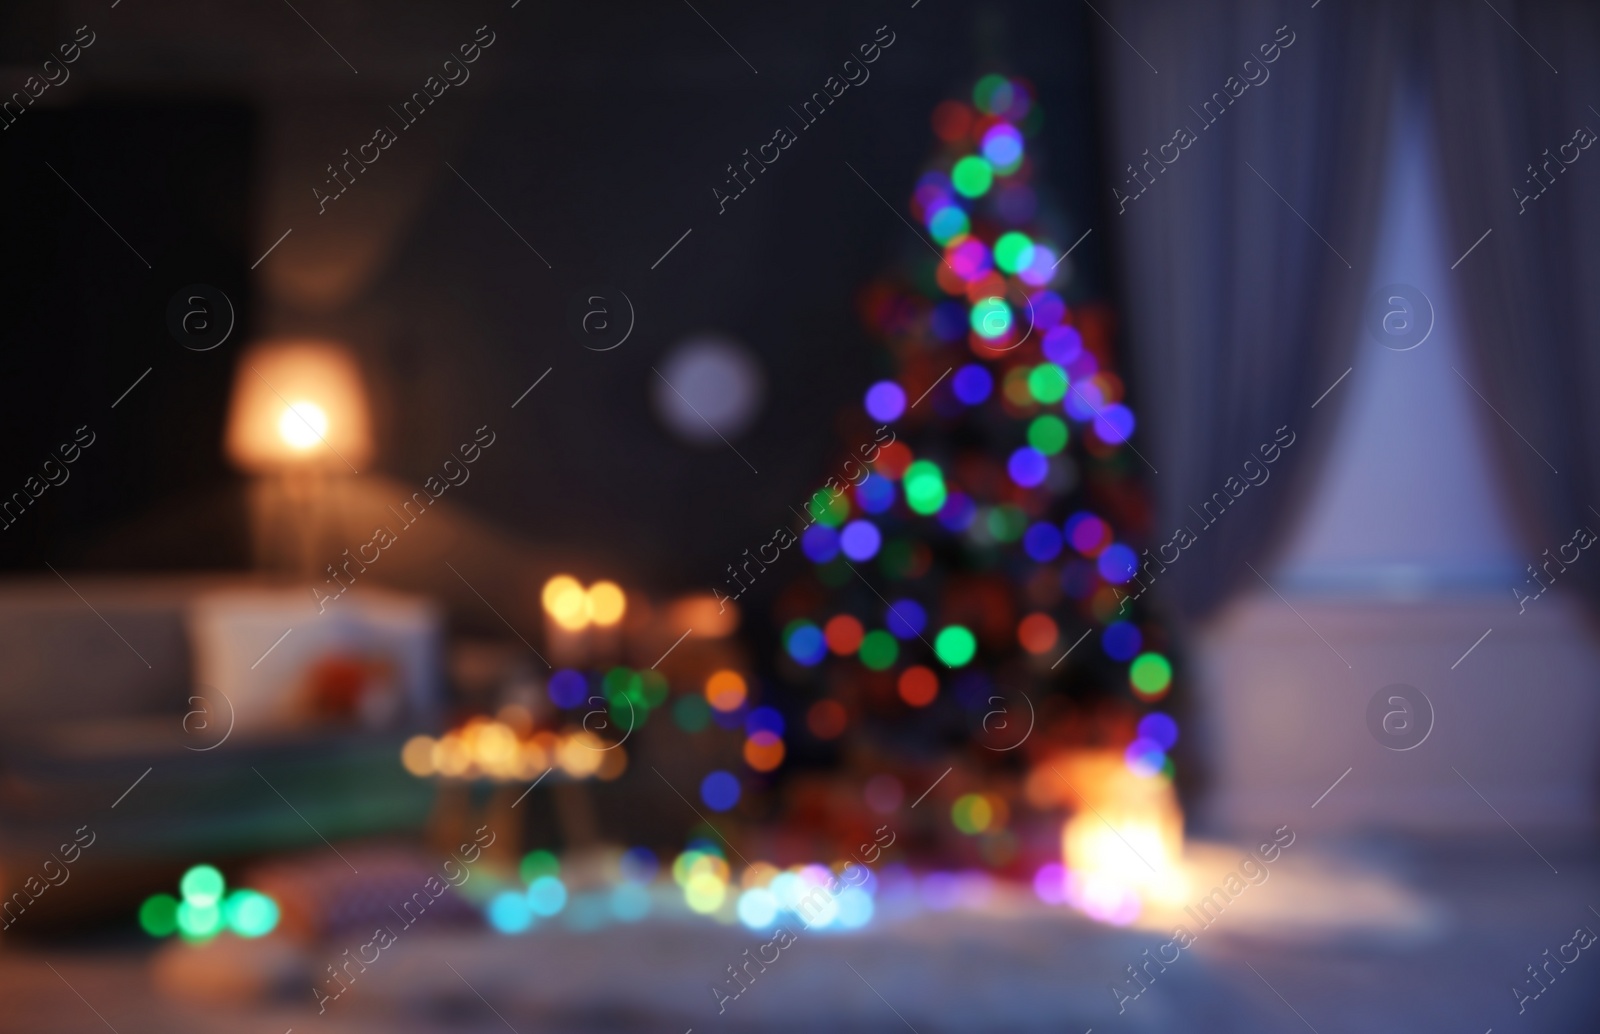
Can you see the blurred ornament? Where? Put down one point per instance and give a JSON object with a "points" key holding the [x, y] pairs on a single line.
{"points": [[708, 389]]}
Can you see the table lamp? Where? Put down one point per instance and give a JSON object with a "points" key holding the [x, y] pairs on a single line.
{"points": [[298, 421]]}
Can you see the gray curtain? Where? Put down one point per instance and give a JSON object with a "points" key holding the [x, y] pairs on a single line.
{"points": [[1238, 313], [1533, 285]]}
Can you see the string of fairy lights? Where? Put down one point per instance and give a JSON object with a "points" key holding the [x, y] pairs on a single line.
{"points": [[1025, 368]]}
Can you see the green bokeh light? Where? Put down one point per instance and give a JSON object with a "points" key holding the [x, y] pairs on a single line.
{"points": [[972, 813], [202, 885], [972, 176], [622, 683], [199, 922], [654, 688], [993, 94], [1150, 673], [1013, 251], [1048, 434], [250, 913], [991, 318], [825, 508], [538, 863], [955, 645], [924, 487], [684, 863], [691, 712], [158, 916], [1006, 523], [879, 650], [1047, 383]]}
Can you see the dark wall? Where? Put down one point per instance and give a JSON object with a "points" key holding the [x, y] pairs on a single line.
{"points": [[599, 136], [602, 153], [111, 209]]}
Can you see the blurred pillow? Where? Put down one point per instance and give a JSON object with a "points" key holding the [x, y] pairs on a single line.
{"points": [[373, 660]]}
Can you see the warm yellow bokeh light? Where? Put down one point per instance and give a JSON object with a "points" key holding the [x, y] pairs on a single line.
{"points": [[580, 754], [417, 755], [566, 602], [451, 756], [704, 893], [302, 425], [607, 604]]}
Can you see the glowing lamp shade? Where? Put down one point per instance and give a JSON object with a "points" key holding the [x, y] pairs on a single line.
{"points": [[298, 404]]}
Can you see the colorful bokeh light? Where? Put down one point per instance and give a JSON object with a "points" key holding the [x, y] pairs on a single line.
{"points": [[820, 543], [1117, 563], [763, 751], [972, 176], [1113, 424], [905, 618], [547, 896], [859, 540], [924, 487], [879, 650], [1048, 434], [1121, 640], [972, 813], [199, 922], [844, 634], [1013, 251], [1037, 633], [993, 94], [720, 790], [250, 913], [568, 688], [725, 690], [805, 643], [1042, 542], [538, 863], [1002, 146], [991, 318], [764, 719], [1160, 729], [885, 401], [875, 494], [202, 886], [972, 384], [1150, 674], [968, 259], [1047, 383], [947, 223], [158, 916], [918, 686], [827, 719], [1088, 534], [955, 645], [509, 913], [1028, 467]]}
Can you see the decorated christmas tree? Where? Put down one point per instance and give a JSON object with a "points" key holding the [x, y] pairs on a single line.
{"points": [[971, 598]]}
